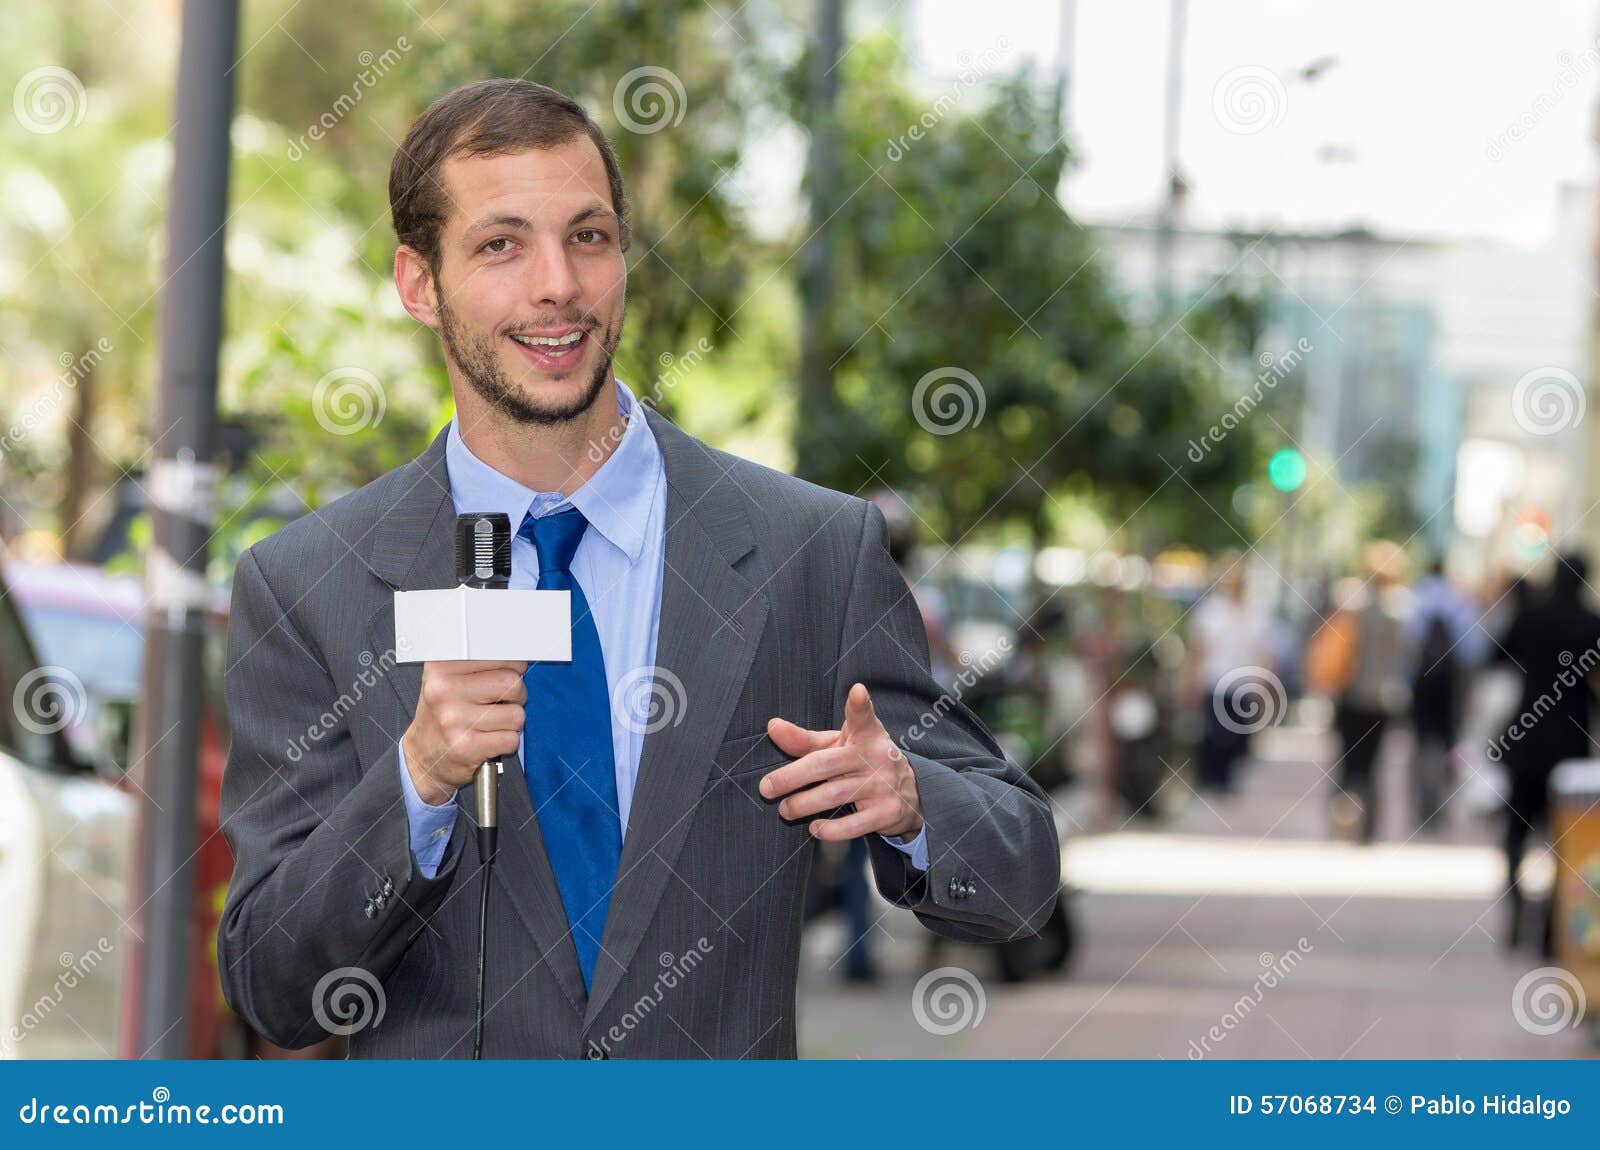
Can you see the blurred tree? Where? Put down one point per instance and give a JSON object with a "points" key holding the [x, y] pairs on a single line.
{"points": [[82, 169], [984, 363]]}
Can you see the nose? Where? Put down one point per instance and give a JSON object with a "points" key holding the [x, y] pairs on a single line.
{"points": [[555, 284]]}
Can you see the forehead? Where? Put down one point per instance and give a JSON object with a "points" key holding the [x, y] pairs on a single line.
{"points": [[537, 184]]}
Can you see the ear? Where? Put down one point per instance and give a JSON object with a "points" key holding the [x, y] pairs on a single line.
{"points": [[414, 282]]}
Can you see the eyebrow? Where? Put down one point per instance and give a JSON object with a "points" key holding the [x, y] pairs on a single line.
{"points": [[520, 224]]}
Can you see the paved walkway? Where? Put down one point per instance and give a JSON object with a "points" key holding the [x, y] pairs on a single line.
{"points": [[1236, 930]]}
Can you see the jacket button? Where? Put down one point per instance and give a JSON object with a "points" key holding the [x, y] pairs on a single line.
{"points": [[955, 887], [388, 885], [382, 900], [371, 909]]}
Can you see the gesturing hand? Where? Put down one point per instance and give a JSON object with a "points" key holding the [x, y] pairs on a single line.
{"points": [[859, 763]]}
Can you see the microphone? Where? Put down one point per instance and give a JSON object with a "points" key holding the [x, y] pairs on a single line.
{"points": [[483, 559]]}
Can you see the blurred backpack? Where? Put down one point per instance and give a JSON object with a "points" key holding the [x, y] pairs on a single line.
{"points": [[1331, 654]]}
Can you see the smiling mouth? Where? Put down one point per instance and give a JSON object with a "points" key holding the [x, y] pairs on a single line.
{"points": [[553, 353]]}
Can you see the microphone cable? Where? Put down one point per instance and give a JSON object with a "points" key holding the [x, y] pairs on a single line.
{"points": [[488, 834], [483, 559]]}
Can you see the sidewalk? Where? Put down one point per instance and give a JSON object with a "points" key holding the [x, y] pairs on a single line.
{"points": [[1191, 944]]}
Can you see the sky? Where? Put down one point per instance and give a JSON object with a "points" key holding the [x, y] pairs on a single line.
{"points": [[1441, 119]]}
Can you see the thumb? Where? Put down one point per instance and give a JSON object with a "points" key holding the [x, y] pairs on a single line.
{"points": [[793, 739], [860, 718]]}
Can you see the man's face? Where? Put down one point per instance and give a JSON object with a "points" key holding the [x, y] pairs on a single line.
{"points": [[531, 282]]}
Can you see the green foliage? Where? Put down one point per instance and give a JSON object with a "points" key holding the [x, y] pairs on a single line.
{"points": [[953, 251], [959, 255]]}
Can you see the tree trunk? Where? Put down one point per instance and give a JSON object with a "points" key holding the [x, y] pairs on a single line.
{"points": [[82, 463]]}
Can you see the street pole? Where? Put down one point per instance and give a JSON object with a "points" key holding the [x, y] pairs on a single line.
{"points": [[815, 447], [180, 497]]}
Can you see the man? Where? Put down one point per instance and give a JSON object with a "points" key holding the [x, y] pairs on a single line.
{"points": [[1374, 688], [1442, 635], [760, 618], [1228, 653], [1554, 641]]}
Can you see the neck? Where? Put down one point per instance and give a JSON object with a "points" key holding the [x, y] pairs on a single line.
{"points": [[542, 457]]}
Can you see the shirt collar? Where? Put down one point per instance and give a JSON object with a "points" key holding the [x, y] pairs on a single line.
{"points": [[616, 500]]}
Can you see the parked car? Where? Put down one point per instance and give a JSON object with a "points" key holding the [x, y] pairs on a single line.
{"points": [[65, 836], [85, 632]]}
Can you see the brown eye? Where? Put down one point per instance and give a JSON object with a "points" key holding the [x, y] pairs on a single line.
{"points": [[488, 247]]}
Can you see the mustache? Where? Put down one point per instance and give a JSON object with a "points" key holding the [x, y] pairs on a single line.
{"points": [[585, 322]]}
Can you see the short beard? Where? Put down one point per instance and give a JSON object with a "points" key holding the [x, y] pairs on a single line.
{"points": [[479, 360]]}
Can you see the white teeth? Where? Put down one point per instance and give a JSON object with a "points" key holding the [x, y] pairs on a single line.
{"points": [[549, 341]]}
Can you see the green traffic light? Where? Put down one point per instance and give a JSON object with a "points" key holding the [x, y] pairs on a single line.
{"points": [[1287, 469]]}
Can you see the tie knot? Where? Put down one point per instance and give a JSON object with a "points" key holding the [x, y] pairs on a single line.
{"points": [[555, 538]]}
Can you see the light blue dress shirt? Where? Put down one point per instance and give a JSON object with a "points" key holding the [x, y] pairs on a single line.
{"points": [[618, 564]]}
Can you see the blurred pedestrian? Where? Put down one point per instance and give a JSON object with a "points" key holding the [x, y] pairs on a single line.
{"points": [[1555, 640], [1441, 635], [1229, 649], [1370, 683]]}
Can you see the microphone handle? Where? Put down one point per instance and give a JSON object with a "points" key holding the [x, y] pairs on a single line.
{"points": [[487, 790]]}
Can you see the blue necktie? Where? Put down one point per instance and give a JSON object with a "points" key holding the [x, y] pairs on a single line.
{"points": [[568, 759]]}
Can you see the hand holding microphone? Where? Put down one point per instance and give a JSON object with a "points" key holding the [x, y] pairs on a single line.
{"points": [[469, 711]]}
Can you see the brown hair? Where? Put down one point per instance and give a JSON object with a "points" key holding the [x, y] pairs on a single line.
{"points": [[488, 118]]}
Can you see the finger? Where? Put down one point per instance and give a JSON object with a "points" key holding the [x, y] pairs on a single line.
{"points": [[475, 666], [793, 739], [860, 718], [813, 768], [494, 686], [492, 717], [829, 796], [876, 816]]}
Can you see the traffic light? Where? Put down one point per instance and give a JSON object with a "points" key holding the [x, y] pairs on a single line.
{"points": [[1286, 469]]}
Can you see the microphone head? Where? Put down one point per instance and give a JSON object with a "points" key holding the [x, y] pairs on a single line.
{"points": [[483, 549]]}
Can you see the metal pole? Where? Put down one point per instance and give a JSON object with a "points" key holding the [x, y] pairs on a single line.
{"points": [[814, 443], [180, 496]]}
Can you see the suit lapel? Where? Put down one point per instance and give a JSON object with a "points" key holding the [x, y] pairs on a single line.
{"points": [[711, 622], [412, 549]]}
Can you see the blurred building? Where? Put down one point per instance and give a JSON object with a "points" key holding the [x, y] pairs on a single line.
{"points": [[1455, 369]]}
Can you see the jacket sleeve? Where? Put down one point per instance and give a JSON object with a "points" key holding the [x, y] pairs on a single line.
{"points": [[994, 859], [325, 890]]}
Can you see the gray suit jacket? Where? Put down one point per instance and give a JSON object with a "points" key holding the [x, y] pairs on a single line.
{"points": [[777, 596]]}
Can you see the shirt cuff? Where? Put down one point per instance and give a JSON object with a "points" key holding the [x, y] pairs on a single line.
{"points": [[430, 825], [916, 849]]}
